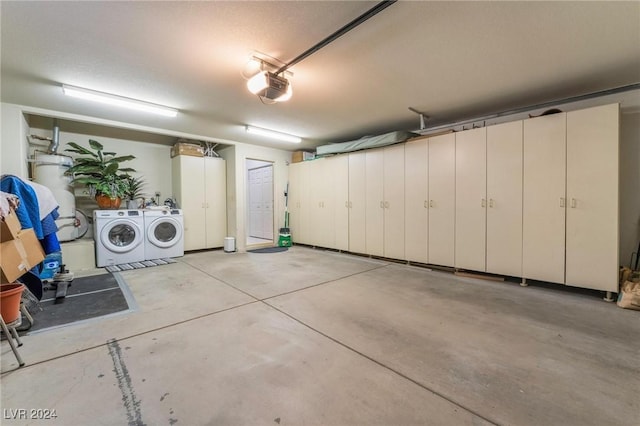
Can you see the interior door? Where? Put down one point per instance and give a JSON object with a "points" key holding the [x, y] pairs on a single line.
{"points": [[544, 198], [442, 201], [592, 192], [471, 199], [267, 202], [416, 200], [255, 203]]}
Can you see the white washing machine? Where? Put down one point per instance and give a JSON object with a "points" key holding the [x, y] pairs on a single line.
{"points": [[164, 233], [119, 236]]}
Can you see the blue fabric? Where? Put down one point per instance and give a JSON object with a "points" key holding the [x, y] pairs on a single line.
{"points": [[50, 243], [49, 223], [28, 212]]}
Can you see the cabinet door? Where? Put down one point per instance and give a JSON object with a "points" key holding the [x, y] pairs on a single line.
{"points": [[324, 225], [442, 186], [393, 184], [471, 199], [592, 193], [293, 201], [307, 202], [357, 202], [374, 221], [340, 175], [504, 194], [189, 191], [215, 181], [544, 198], [416, 232]]}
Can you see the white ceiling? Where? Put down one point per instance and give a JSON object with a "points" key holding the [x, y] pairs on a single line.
{"points": [[452, 60]]}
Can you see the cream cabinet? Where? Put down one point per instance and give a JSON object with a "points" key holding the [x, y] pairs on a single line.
{"points": [[318, 205], [357, 202], [471, 199], [199, 187], [592, 198], [374, 196], [384, 217], [544, 197], [570, 206], [442, 189], [416, 204], [504, 199], [340, 177]]}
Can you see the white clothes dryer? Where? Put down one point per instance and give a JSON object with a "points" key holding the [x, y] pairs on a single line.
{"points": [[164, 233], [119, 236]]}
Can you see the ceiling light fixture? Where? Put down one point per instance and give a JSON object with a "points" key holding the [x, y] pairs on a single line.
{"points": [[273, 134], [107, 98], [269, 85]]}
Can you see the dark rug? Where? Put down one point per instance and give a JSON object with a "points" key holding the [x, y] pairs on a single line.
{"points": [[87, 297], [268, 250]]}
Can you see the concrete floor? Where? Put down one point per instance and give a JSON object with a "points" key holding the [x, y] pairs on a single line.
{"points": [[322, 338]]}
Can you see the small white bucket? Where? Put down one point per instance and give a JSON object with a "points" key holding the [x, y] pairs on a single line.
{"points": [[229, 244]]}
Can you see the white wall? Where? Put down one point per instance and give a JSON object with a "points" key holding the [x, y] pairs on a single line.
{"points": [[239, 156], [152, 163], [629, 184], [13, 142]]}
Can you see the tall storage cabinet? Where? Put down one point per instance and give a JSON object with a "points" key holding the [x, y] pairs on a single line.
{"points": [[442, 201], [544, 197], [592, 198], [199, 186], [340, 177], [504, 199], [471, 199], [357, 202], [416, 204], [374, 195]]}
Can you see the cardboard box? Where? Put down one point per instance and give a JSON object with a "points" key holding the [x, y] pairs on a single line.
{"points": [[9, 226], [19, 255], [191, 149], [299, 156], [13, 262], [31, 245]]}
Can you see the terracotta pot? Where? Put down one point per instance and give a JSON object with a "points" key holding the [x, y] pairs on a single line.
{"points": [[10, 295], [107, 203]]}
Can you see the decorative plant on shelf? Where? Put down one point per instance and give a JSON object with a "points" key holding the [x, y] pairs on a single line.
{"points": [[101, 172], [134, 191]]}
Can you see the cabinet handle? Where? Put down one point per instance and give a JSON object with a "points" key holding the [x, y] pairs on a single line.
{"points": [[483, 203], [574, 203], [386, 204], [203, 206], [562, 202], [382, 204], [346, 204], [425, 204], [431, 203], [491, 202]]}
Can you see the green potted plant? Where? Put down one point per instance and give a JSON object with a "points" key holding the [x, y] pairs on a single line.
{"points": [[134, 191], [101, 172]]}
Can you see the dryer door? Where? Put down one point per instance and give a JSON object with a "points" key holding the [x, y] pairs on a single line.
{"points": [[164, 232], [121, 236]]}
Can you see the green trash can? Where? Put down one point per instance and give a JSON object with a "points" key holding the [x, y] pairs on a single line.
{"points": [[284, 240]]}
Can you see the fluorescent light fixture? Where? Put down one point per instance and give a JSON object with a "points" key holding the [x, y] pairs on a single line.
{"points": [[273, 134], [107, 98]]}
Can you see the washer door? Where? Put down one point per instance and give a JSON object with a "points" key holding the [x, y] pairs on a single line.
{"points": [[164, 232], [121, 236]]}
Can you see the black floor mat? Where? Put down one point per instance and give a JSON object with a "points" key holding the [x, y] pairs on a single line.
{"points": [[269, 250], [87, 297]]}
